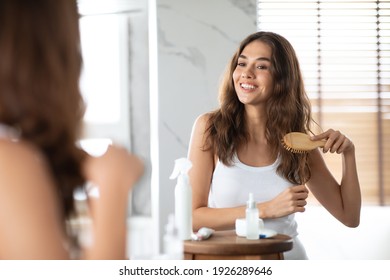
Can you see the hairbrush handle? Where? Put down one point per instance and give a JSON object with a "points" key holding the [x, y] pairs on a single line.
{"points": [[298, 142]]}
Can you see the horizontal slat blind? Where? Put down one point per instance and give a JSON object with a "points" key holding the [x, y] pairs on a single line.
{"points": [[344, 51]]}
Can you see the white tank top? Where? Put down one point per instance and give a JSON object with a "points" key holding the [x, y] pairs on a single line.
{"points": [[231, 185]]}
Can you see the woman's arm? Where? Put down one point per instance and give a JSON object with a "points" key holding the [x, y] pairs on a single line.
{"points": [[203, 163], [342, 200], [115, 173]]}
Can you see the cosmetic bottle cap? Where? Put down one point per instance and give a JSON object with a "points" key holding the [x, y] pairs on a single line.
{"points": [[251, 203]]}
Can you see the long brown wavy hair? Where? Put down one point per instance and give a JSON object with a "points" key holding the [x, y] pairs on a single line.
{"points": [[288, 109], [40, 64]]}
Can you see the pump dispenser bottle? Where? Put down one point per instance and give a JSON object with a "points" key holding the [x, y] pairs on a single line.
{"points": [[183, 198], [252, 219]]}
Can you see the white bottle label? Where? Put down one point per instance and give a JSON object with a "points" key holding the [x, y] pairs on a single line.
{"points": [[183, 212], [252, 224]]}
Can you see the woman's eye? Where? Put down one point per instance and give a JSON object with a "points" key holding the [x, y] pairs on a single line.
{"points": [[240, 64], [262, 67]]}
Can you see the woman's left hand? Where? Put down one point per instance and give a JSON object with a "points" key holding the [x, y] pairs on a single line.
{"points": [[336, 142]]}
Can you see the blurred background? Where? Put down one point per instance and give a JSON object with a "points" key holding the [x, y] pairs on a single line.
{"points": [[152, 66]]}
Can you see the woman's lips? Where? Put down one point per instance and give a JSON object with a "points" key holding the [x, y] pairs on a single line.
{"points": [[247, 86]]}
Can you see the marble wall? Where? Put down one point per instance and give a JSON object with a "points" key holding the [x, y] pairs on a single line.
{"points": [[195, 41]]}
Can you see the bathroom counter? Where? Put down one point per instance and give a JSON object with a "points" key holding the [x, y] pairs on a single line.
{"points": [[224, 245]]}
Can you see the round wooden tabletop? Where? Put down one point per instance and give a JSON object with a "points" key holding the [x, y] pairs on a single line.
{"points": [[228, 243]]}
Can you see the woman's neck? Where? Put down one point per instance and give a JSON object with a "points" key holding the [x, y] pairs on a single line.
{"points": [[256, 120]]}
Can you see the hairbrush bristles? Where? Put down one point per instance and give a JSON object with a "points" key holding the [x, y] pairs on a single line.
{"points": [[290, 149]]}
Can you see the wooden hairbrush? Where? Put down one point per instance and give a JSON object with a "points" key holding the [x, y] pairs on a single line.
{"points": [[297, 142]]}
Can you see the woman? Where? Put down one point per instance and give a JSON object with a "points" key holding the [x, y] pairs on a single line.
{"points": [[41, 111], [237, 149]]}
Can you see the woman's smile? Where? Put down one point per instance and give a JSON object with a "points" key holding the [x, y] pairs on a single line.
{"points": [[248, 87], [252, 77]]}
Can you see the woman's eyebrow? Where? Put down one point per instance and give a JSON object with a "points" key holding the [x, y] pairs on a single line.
{"points": [[259, 58]]}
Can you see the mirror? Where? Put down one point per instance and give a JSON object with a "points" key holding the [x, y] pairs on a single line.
{"points": [[177, 51]]}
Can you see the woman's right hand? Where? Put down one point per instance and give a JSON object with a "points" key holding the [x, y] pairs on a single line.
{"points": [[117, 169], [291, 200]]}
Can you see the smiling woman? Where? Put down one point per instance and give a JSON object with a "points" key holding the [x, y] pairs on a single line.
{"points": [[237, 149], [252, 76]]}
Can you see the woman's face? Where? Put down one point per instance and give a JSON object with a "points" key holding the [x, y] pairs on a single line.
{"points": [[252, 77]]}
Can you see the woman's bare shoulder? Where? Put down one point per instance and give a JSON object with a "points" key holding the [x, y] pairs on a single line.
{"points": [[28, 195], [23, 167], [20, 156], [201, 123], [203, 118]]}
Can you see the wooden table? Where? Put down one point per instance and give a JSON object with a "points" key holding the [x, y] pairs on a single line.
{"points": [[226, 245]]}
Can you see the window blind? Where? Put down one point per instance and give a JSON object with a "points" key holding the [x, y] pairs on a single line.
{"points": [[344, 53]]}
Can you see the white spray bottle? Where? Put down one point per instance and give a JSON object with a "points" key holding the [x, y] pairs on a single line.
{"points": [[183, 198], [252, 218]]}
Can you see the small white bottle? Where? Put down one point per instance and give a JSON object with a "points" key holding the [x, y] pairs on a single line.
{"points": [[183, 198], [252, 219], [173, 245]]}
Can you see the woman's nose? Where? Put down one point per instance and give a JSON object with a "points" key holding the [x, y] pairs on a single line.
{"points": [[247, 74]]}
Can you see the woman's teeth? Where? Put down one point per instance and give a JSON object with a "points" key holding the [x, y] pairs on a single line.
{"points": [[248, 86]]}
